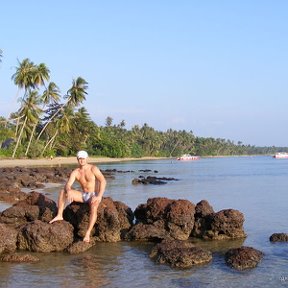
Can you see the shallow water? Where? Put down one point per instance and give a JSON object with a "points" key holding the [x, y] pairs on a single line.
{"points": [[257, 186]]}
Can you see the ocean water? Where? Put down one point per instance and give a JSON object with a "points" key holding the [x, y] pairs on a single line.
{"points": [[256, 186]]}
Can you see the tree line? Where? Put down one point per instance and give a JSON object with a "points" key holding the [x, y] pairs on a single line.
{"points": [[50, 123]]}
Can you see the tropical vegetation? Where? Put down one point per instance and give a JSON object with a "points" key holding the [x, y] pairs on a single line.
{"points": [[49, 123]]}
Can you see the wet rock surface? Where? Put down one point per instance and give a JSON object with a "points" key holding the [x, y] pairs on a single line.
{"points": [[35, 206], [152, 180], [162, 218], [8, 239], [279, 237], [179, 254], [19, 258], [114, 219], [38, 236], [225, 224], [243, 258]]}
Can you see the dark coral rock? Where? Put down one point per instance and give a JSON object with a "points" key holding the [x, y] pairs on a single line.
{"points": [[39, 236], [8, 239], [179, 254], [279, 237], [19, 258], [243, 258], [225, 224], [80, 247], [172, 218], [35, 207], [114, 219]]}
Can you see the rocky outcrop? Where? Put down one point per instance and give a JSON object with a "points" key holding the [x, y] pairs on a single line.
{"points": [[12, 180], [19, 258], [35, 206], [279, 237], [25, 226], [225, 224], [38, 236], [152, 180], [162, 218], [79, 247], [202, 209], [179, 254], [27, 223], [243, 258], [8, 239], [114, 219]]}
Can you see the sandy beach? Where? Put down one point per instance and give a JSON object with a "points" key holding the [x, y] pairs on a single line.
{"points": [[58, 161]]}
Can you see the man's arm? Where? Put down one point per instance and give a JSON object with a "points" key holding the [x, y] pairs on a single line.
{"points": [[101, 181]]}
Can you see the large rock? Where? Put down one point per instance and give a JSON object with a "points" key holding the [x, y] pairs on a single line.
{"points": [[179, 254], [39, 236], [225, 224], [80, 247], [148, 232], [35, 207], [162, 218], [19, 258], [279, 237], [243, 258], [202, 209], [114, 219], [8, 239]]}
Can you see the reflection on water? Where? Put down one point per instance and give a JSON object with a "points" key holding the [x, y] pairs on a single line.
{"points": [[256, 186]]}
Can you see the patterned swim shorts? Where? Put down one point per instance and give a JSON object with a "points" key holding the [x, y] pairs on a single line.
{"points": [[86, 196]]}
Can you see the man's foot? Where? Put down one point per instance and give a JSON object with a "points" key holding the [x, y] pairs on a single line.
{"points": [[57, 218], [86, 238]]}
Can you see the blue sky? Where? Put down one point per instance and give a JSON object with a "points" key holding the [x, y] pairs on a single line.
{"points": [[217, 68]]}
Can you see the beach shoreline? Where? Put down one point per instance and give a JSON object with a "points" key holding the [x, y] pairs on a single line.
{"points": [[58, 161]]}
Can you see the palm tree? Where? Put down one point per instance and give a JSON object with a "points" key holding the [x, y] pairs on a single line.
{"points": [[80, 129], [41, 74], [1, 55], [30, 77], [30, 111], [51, 94], [23, 78], [62, 124], [24, 75], [75, 96]]}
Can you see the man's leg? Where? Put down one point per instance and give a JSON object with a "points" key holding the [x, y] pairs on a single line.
{"points": [[77, 196], [92, 220], [61, 205]]}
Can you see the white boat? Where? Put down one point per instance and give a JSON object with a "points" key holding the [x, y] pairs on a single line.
{"points": [[189, 157], [281, 155]]}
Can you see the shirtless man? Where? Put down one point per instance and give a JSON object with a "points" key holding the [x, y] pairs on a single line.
{"points": [[93, 185]]}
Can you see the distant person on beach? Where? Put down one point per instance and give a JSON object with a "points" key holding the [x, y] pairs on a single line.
{"points": [[93, 185]]}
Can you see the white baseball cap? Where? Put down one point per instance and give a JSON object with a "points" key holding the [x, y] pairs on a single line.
{"points": [[82, 154]]}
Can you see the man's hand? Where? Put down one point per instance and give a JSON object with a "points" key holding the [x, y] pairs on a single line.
{"points": [[96, 199], [69, 196]]}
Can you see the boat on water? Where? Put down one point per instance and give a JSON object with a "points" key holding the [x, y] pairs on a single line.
{"points": [[281, 155], [188, 157]]}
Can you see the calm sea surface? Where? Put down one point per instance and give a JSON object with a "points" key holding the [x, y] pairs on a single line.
{"points": [[256, 186]]}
